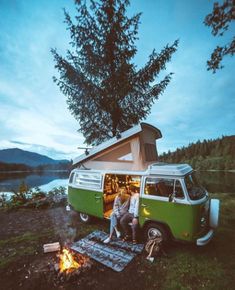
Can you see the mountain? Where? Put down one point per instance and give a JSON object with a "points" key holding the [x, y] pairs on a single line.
{"points": [[218, 154], [18, 156]]}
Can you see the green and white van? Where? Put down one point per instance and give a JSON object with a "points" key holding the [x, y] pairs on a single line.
{"points": [[172, 202]]}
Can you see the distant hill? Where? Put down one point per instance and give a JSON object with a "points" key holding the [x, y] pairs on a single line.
{"points": [[18, 156], [218, 154]]}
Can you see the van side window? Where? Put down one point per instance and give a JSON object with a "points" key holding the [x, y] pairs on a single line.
{"points": [[153, 186], [163, 187], [89, 180], [178, 190]]}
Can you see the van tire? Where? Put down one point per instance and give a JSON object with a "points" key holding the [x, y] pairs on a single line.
{"points": [[84, 218], [154, 230]]}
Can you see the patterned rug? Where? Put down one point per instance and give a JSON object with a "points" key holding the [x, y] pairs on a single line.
{"points": [[115, 255]]}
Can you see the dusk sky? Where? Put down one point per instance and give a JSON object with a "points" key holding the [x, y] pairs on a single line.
{"points": [[33, 112]]}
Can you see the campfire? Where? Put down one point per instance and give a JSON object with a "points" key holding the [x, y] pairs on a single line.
{"points": [[67, 262], [71, 264], [63, 267]]}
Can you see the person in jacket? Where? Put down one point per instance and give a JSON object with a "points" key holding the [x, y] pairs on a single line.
{"points": [[120, 207], [131, 216]]}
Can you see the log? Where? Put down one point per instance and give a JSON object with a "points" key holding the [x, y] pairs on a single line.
{"points": [[53, 247]]}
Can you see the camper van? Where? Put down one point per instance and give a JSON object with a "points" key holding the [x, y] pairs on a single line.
{"points": [[172, 204]]}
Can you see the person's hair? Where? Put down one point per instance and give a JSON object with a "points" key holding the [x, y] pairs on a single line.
{"points": [[121, 194], [134, 188], [121, 191]]}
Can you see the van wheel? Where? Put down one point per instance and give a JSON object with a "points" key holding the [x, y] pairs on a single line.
{"points": [[85, 218], [154, 230]]}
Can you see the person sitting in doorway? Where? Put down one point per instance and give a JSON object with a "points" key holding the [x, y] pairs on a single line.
{"points": [[120, 207], [131, 216]]}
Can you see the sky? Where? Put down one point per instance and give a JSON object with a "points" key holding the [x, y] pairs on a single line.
{"points": [[33, 112]]}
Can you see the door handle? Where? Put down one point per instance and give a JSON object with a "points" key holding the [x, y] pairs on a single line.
{"points": [[144, 205], [97, 197]]}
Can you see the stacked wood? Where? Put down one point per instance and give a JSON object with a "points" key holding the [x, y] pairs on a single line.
{"points": [[53, 247]]}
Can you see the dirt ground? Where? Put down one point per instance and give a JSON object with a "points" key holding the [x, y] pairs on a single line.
{"points": [[25, 266]]}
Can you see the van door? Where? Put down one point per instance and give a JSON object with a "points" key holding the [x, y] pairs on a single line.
{"points": [[85, 193], [155, 206]]}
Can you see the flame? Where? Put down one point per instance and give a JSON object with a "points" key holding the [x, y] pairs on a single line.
{"points": [[67, 261]]}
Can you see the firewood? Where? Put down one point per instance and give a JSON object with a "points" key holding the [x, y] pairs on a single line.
{"points": [[53, 247]]}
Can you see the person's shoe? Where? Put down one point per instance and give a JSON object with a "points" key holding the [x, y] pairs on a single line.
{"points": [[126, 238], [118, 234], [106, 241]]}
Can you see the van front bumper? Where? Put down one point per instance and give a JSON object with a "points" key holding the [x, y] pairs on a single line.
{"points": [[205, 239]]}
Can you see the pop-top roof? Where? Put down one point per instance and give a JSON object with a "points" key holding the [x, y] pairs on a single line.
{"points": [[153, 169], [114, 141]]}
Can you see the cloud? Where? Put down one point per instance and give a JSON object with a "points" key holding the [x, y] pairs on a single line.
{"points": [[46, 150], [40, 149], [34, 114]]}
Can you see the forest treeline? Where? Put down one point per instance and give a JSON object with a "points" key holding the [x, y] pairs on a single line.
{"points": [[44, 167], [218, 154]]}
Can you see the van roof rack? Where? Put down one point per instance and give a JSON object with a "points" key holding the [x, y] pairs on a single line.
{"points": [[169, 169]]}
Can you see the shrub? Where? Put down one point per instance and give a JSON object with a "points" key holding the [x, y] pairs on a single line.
{"points": [[28, 198]]}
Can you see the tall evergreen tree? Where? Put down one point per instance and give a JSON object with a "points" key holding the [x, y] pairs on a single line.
{"points": [[105, 91]]}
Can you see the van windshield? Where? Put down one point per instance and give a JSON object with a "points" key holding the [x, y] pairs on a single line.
{"points": [[195, 190]]}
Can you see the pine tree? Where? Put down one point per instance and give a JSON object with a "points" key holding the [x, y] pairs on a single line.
{"points": [[105, 91], [220, 19]]}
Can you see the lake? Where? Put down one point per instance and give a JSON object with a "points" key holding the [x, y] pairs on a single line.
{"points": [[46, 181], [213, 181], [218, 181]]}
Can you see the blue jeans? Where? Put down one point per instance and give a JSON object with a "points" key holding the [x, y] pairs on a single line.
{"points": [[113, 222], [124, 221]]}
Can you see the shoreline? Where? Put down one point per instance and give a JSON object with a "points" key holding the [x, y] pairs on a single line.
{"points": [[217, 170], [35, 171], [67, 170]]}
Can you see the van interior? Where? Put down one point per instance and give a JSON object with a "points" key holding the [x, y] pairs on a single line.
{"points": [[154, 186], [113, 183], [163, 187]]}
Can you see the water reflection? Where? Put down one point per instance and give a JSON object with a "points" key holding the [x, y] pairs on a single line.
{"points": [[218, 181], [213, 181], [11, 180]]}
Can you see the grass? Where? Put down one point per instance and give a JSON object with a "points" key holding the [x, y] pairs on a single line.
{"points": [[26, 237], [15, 255], [208, 267], [22, 245], [186, 266]]}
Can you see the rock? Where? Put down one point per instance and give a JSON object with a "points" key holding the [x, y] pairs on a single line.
{"points": [[57, 267]]}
